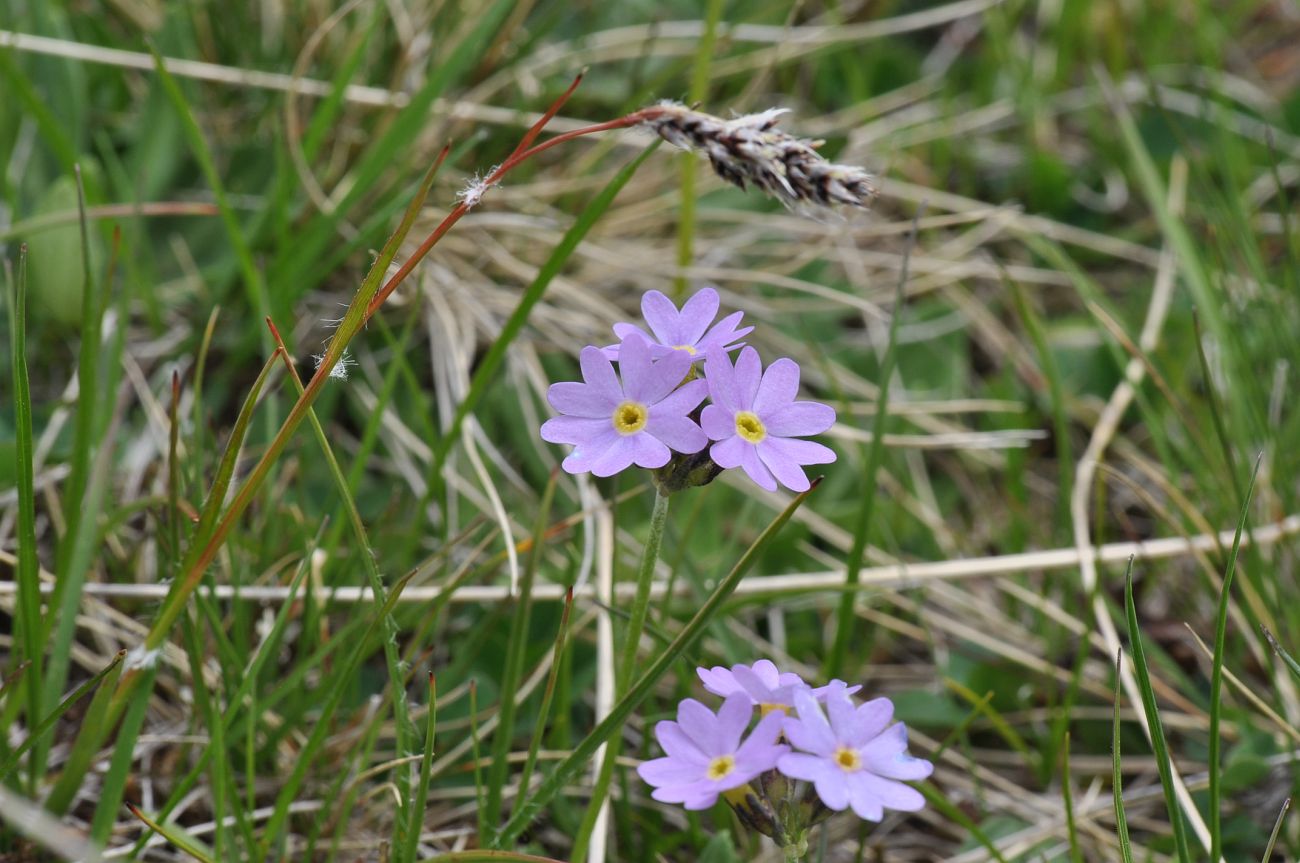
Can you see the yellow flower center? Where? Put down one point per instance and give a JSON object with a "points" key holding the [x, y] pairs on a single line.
{"points": [[848, 759], [765, 708], [750, 427], [690, 349], [630, 417], [720, 767]]}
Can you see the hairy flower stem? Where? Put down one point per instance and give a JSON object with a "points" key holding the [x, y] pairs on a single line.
{"points": [[626, 668]]}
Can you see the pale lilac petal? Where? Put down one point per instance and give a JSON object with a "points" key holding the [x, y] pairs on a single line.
{"points": [[842, 715], [788, 678], [786, 470], [753, 684], [722, 334], [623, 330], [598, 372], [733, 719], [749, 373], [696, 315], [677, 744], [821, 692], [635, 367], [678, 432], [703, 794], [778, 387], [810, 731], [891, 794], [800, 451], [590, 451], [618, 456], [580, 400], [647, 451], [866, 804], [887, 756], [682, 400], [799, 765], [753, 466], [871, 720], [662, 316], [832, 787], [575, 430], [721, 377], [798, 419], [660, 379], [718, 423], [701, 726], [766, 671], [719, 680], [730, 452], [670, 771]]}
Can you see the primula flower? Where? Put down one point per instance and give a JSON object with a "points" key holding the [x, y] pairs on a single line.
{"points": [[854, 759], [762, 683], [705, 755], [686, 331], [755, 420], [638, 421]]}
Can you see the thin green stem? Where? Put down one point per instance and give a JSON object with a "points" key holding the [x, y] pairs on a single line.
{"points": [[626, 667]]}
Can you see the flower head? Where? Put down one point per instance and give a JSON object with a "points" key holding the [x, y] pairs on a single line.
{"points": [[639, 420], [762, 683], [705, 754], [856, 758], [687, 331], [756, 422]]}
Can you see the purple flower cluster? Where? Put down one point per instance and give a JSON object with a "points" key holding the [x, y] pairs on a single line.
{"points": [[649, 410], [853, 754]]}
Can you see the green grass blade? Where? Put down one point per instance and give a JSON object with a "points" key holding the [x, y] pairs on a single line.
{"points": [[1216, 676], [689, 162], [1117, 776], [1159, 746], [113, 787], [485, 373], [543, 714], [29, 636], [426, 764], [1287, 659], [1072, 829], [1277, 828], [89, 737], [173, 834], [48, 722], [527, 809]]}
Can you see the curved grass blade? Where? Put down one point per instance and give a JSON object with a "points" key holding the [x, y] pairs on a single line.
{"points": [[94, 728], [1117, 777], [48, 722], [1287, 659], [1158, 744], [185, 843], [1277, 828], [528, 808], [1216, 674]]}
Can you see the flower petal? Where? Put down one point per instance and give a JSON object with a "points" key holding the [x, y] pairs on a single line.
{"points": [[682, 400], [670, 771], [648, 451], [679, 433], [719, 680], [677, 744], [749, 374], [754, 685], [890, 794], [574, 430], [786, 470], [730, 452], [662, 316], [701, 726], [753, 466], [598, 372], [798, 419], [863, 798], [721, 377], [810, 731], [718, 423], [733, 718], [618, 456], [766, 671], [723, 334], [871, 721], [579, 400], [696, 315], [843, 717], [760, 751], [778, 387], [887, 756]]}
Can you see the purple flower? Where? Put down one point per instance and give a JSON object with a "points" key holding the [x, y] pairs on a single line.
{"points": [[762, 683], [687, 331], [705, 755], [755, 420], [638, 421], [855, 759]]}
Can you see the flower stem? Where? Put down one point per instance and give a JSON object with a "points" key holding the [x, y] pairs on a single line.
{"points": [[626, 668]]}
